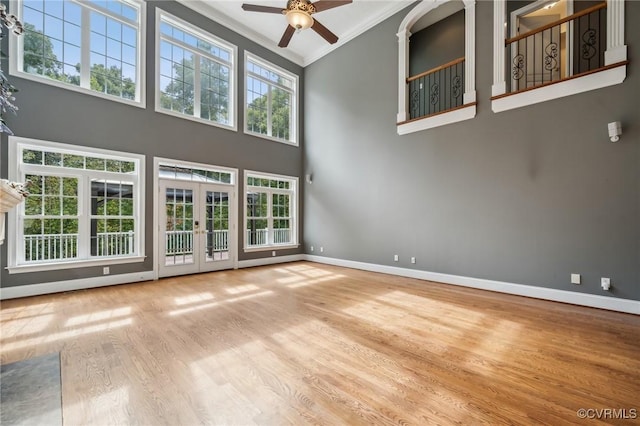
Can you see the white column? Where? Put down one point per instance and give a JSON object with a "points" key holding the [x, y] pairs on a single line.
{"points": [[469, 52], [403, 73], [616, 49], [499, 84]]}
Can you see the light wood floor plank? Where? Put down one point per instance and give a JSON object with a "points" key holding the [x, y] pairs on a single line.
{"points": [[305, 343]]}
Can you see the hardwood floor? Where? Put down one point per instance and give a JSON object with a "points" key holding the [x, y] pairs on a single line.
{"points": [[309, 343]]}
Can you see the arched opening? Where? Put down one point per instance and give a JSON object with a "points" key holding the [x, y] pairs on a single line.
{"points": [[436, 73]]}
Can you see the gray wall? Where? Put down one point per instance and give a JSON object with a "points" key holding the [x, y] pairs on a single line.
{"points": [[61, 115], [437, 44], [526, 196]]}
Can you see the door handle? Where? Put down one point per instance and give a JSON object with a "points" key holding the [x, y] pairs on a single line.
{"points": [[196, 224]]}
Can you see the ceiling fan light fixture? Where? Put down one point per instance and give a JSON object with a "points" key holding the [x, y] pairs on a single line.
{"points": [[299, 19]]}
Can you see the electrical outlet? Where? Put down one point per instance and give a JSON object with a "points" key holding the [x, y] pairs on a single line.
{"points": [[105, 270], [605, 283], [273, 253], [311, 248], [575, 278], [413, 260], [395, 258], [321, 249]]}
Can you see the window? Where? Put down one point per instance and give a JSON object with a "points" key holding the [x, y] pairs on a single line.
{"points": [[195, 73], [271, 101], [85, 205], [547, 49], [270, 211], [94, 46]]}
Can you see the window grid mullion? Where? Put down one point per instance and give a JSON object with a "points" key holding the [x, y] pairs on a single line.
{"points": [[269, 118], [84, 218], [197, 85], [85, 49]]}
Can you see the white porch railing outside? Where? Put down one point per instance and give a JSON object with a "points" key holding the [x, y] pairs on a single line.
{"points": [[260, 237], [50, 247], [181, 242], [65, 246]]}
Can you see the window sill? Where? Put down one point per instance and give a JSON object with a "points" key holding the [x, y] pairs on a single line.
{"points": [[41, 267], [461, 113], [230, 127], [608, 76], [271, 247], [50, 82], [270, 138]]}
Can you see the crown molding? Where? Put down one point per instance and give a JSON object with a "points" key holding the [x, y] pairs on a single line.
{"points": [[393, 8], [225, 20]]}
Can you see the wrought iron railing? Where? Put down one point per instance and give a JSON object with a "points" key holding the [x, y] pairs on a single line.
{"points": [[436, 90], [562, 49]]}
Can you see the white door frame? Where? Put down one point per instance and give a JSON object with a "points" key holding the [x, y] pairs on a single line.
{"points": [[233, 187]]}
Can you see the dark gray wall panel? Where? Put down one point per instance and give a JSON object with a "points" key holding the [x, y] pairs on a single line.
{"points": [[526, 196], [437, 44], [60, 115]]}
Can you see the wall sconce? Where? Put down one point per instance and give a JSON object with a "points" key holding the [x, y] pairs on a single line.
{"points": [[615, 130]]}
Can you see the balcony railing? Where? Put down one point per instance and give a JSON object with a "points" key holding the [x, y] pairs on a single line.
{"points": [[557, 51], [437, 90], [50, 247]]}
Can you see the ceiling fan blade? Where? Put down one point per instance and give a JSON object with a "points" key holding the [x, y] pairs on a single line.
{"points": [[329, 4], [286, 37], [258, 8], [324, 32]]}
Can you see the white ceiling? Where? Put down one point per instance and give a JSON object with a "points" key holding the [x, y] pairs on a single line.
{"points": [[266, 29]]}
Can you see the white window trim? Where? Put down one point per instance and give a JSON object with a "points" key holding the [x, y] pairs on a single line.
{"points": [[16, 42], [160, 161], [616, 53], [468, 109], [294, 208], [293, 131], [15, 144], [198, 32]]}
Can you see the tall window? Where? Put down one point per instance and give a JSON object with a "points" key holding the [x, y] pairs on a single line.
{"points": [[91, 46], [271, 100], [270, 211], [84, 206], [195, 73]]}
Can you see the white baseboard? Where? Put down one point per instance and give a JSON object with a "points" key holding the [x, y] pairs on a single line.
{"points": [[69, 285], [582, 299], [270, 260]]}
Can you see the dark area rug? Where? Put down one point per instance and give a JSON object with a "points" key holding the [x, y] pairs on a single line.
{"points": [[30, 392]]}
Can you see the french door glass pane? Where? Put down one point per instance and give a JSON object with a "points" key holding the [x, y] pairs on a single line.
{"points": [[179, 227], [217, 226]]}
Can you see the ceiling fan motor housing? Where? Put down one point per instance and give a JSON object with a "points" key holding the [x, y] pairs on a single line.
{"points": [[300, 5]]}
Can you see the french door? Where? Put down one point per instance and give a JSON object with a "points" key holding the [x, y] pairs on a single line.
{"points": [[197, 227]]}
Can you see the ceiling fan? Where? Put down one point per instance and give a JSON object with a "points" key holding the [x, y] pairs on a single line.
{"points": [[298, 13]]}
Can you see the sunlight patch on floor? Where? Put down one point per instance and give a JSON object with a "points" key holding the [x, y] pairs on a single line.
{"points": [[316, 281], [53, 337], [242, 289], [27, 325], [26, 311], [432, 308], [98, 316], [497, 342], [106, 408], [214, 304], [193, 298]]}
